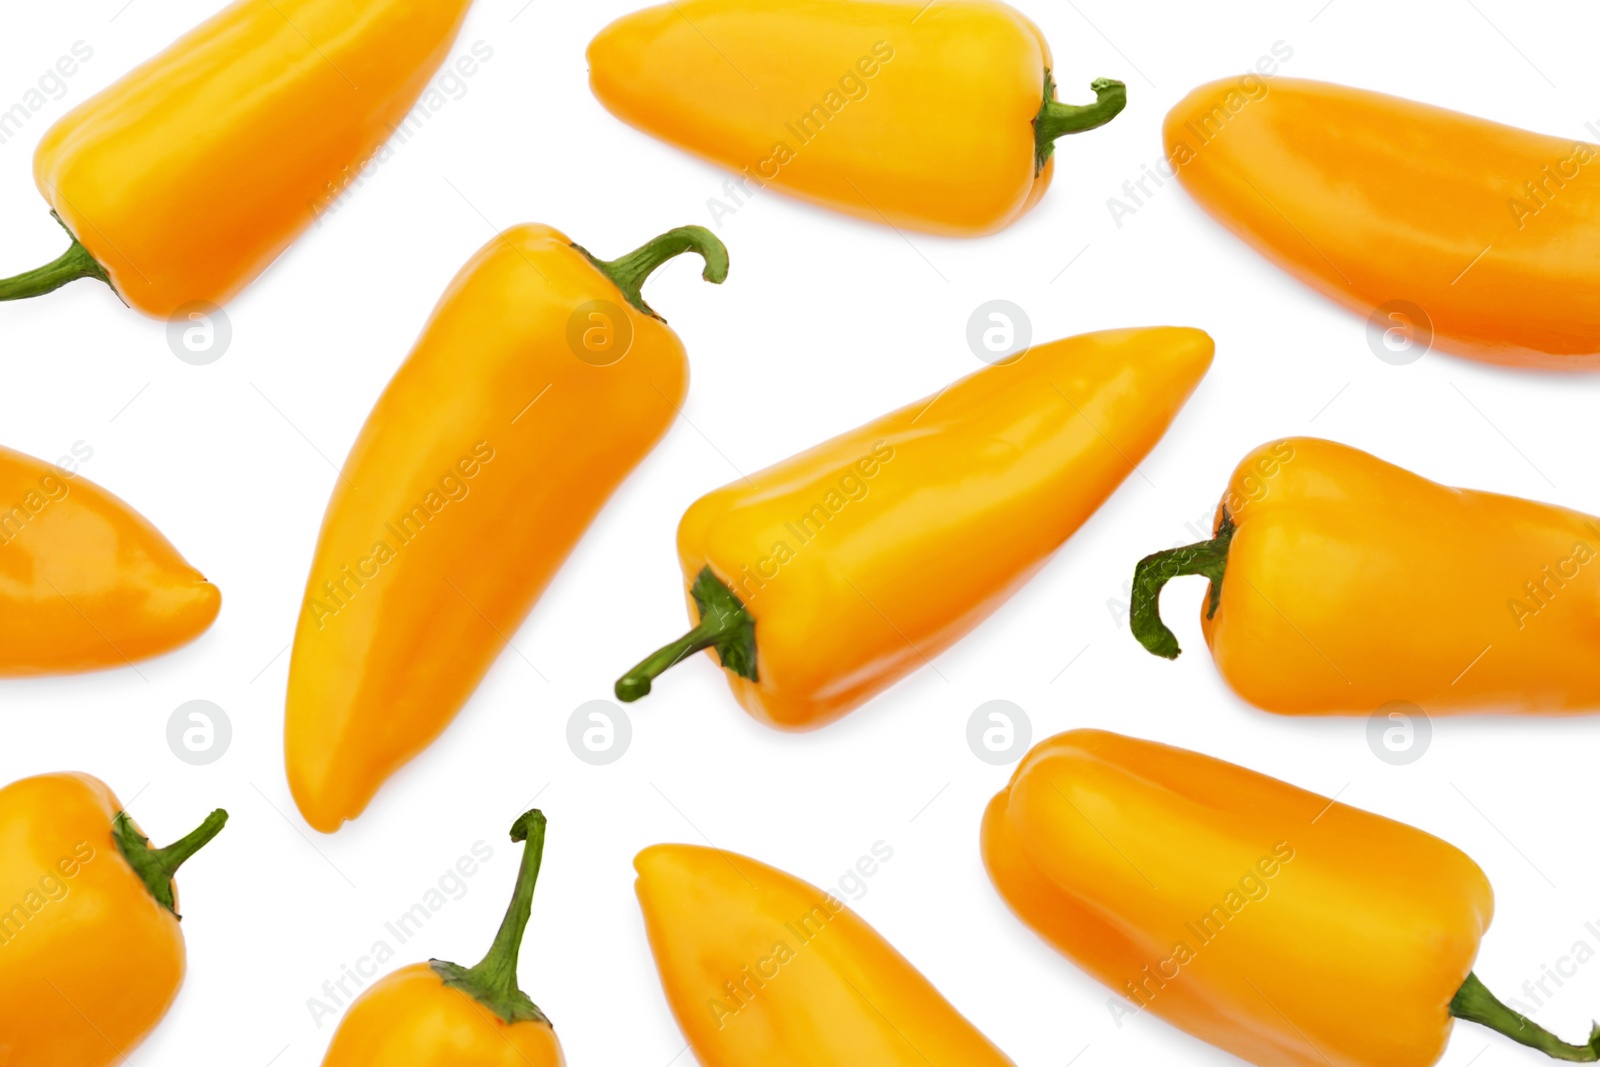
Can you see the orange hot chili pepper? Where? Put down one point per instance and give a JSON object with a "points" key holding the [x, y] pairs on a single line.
{"points": [[91, 956], [540, 382], [1341, 583], [824, 580], [439, 1014], [1274, 923], [941, 118], [86, 582], [187, 178], [764, 970], [1445, 228]]}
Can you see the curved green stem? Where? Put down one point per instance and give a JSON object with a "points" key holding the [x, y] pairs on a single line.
{"points": [[1474, 1003], [1209, 558], [725, 624], [493, 982], [1056, 119], [632, 270], [75, 263], [156, 866]]}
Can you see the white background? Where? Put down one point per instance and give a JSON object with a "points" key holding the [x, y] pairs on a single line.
{"points": [[824, 323]]}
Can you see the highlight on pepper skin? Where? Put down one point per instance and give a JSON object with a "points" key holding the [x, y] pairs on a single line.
{"points": [[810, 627], [184, 180], [1343, 188], [91, 953], [1288, 929], [439, 1014], [466, 509], [86, 582], [762, 969], [1340, 583], [946, 124]]}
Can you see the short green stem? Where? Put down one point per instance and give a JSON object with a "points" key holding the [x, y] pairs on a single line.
{"points": [[1209, 558], [493, 982], [75, 263], [156, 866], [1475, 1004], [725, 625], [1056, 119], [632, 270]]}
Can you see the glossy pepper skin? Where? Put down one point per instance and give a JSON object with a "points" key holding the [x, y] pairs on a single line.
{"points": [[1371, 199], [941, 119], [86, 582], [540, 382], [1340, 583], [439, 1014], [184, 180], [814, 580], [1285, 928], [762, 969], [91, 956]]}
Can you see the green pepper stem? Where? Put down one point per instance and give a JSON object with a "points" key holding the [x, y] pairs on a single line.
{"points": [[1209, 558], [1056, 119], [75, 263], [631, 271], [156, 866], [1474, 1003], [493, 982], [725, 624]]}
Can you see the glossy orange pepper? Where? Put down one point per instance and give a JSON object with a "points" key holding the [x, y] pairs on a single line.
{"points": [[188, 177], [825, 579], [86, 582], [1285, 928], [938, 117], [1448, 229], [91, 956], [439, 1014], [540, 382], [1341, 583], [764, 970]]}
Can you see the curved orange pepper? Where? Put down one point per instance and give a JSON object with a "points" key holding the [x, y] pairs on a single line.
{"points": [[762, 969], [91, 955], [1374, 200], [540, 382], [86, 582], [1341, 583], [439, 1014], [823, 580], [183, 181], [1285, 928], [941, 119]]}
